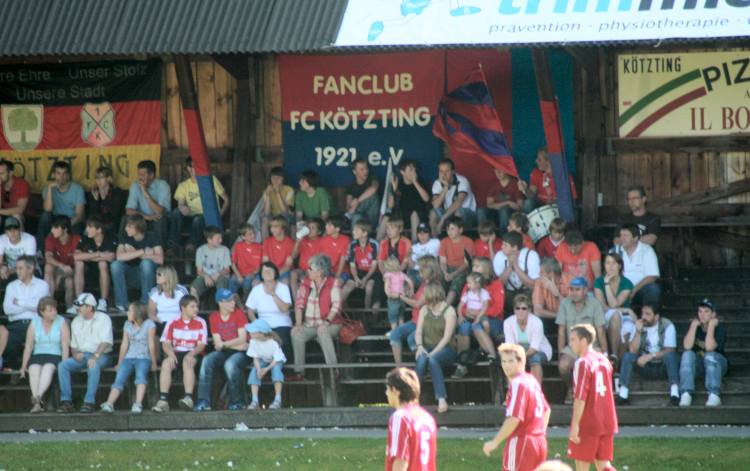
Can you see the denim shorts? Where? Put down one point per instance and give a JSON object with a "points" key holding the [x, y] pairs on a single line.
{"points": [[141, 366]]}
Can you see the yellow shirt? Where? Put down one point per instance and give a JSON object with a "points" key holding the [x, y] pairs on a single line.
{"points": [[287, 194], [188, 191]]}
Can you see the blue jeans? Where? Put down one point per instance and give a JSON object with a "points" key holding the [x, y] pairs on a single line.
{"points": [[197, 226], [467, 327], [246, 286], [234, 363], [649, 294], [277, 375], [367, 210], [66, 367], [141, 276], [443, 359], [713, 367], [668, 367], [538, 358], [405, 331], [126, 368], [394, 310], [498, 217]]}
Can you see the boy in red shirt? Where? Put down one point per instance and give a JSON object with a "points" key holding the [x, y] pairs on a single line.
{"points": [[488, 244], [578, 257], [549, 244], [395, 244], [278, 248], [455, 254], [336, 246], [59, 250], [520, 223], [526, 415], [183, 341], [363, 252], [594, 421], [247, 255], [304, 248]]}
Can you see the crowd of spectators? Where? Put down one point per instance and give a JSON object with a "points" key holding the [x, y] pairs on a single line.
{"points": [[287, 281]]}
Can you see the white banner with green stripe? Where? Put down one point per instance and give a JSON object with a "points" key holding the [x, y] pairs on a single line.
{"points": [[684, 94]]}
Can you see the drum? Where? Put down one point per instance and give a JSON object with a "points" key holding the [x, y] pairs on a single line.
{"points": [[540, 219]]}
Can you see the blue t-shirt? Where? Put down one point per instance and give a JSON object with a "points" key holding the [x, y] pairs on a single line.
{"points": [[159, 191], [64, 203]]}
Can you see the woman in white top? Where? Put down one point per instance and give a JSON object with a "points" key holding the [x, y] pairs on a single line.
{"points": [[526, 329], [271, 301], [164, 299]]}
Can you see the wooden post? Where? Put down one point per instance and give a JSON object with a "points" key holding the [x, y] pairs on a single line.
{"points": [[593, 128]]}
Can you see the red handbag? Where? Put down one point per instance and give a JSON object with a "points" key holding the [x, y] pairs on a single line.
{"points": [[351, 330]]}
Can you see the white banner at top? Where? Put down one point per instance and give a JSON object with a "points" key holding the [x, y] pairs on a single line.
{"points": [[428, 22]]}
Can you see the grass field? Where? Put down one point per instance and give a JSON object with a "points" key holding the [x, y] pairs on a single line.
{"points": [[631, 454]]}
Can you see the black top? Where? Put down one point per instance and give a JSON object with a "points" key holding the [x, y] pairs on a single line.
{"points": [[89, 245], [408, 200], [109, 209], [720, 334], [149, 240], [649, 223], [355, 190]]}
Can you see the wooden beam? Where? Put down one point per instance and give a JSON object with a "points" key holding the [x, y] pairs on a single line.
{"points": [[722, 238], [235, 64], [609, 214], [592, 133], [705, 196], [680, 144], [245, 139]]}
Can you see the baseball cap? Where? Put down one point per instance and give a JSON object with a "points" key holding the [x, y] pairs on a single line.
{"points": [[223, 294], [11, 223], [705, 302], [423, 227], [258, 326], [85, 299], [579, 282]]}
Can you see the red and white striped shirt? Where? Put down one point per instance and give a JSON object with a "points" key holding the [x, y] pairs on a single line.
{"points": [[525, 401], [185, 335], [412, 437]]}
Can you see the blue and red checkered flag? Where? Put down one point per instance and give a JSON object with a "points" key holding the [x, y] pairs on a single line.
{"points": [[468, 122]]}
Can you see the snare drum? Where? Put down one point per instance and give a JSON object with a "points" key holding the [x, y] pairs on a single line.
{"points": [[540, 219]]}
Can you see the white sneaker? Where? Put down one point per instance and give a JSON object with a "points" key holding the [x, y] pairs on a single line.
{"points": [[137, 408], [107, 407], [186, 403], [102, 305], [460, 372], [275, 405], [713, 400], [161, 406], [686, 399]]}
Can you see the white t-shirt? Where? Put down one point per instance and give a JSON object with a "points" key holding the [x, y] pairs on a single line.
{"points": [[432, 247], [641, 264], [167, 309], [474, 300], [265, 307], [11, 252], [462, 185], [265, 350], [652, 338], [529, 261]]}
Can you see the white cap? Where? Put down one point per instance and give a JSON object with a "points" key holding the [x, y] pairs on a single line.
{"points": [[85, 299]]}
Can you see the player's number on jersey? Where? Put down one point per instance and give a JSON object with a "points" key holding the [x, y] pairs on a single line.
{"points": [[539, 409], [601, 388], [424, 446]]}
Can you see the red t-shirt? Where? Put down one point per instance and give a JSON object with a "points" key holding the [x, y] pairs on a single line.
{"points": [[20, 189], [62, 252], [363, 257], [455, 251], [415, 310], [412, 437], [525, 401], [482, 249], [400, 250], [528, 242], [308, 248], [547, 248], [185, 336], [336, 248], [497, 299], [227, 330], [545, 186], [277, 251], [592, 380], [580, 264], [502, 193], [247, 257]]}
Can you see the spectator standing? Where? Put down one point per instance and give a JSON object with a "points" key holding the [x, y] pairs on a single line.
{"points": [[451, 196], [92, 257], [652, 354], [425, 245], [547, 247], [15, 192], [279, 248], [106, 202], [190, 209], [649, 224], [311, 201], [579, 257], [362, 201], [138, 254], [363, 255], [59, 250], [20, 304], [504, 197], [247, 255], [183, 342], [525, 329], [434, 340], [47, 344], [542, 189], [278, 200], [455, 254], [306, 247], [271, 301], [640, 266], [90, 350], [13, 244], [213, 263], [137, 354], [704, 354], [230, 343], [62, 197], [265, 350], [335, 246], [150, 198], [516, 266], [410, 198]]}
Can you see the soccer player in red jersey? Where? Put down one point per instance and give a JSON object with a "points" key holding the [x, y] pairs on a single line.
{"points": [[594, 421], [526, 415], [412, 432]]}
